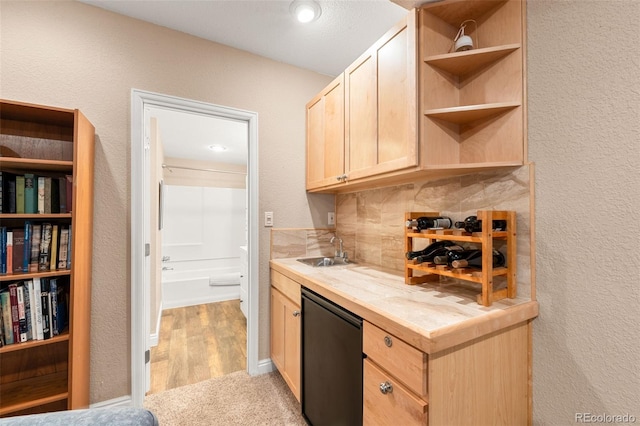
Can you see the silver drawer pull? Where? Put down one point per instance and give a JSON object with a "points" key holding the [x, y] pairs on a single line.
{"points": [[388, 341], [386, 388], [296, 313]]}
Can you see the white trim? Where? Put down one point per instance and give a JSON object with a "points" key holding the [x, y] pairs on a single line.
{"points": [[266, 366], [154, 337], [122, 401], [139, 100]]}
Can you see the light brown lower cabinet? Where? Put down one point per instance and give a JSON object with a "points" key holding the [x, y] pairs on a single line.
{"points": [[483, 381], [285, 329]]}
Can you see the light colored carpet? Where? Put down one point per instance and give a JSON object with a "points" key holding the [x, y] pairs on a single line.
{"points": [[234, 399]]}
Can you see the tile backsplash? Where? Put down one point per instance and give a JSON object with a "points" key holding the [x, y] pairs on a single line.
{"points": [[371, 223]]}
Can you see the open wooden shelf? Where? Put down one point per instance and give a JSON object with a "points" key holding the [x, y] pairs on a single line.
{"points": [[35, 343], [470, 113], [12, 163], [454, 12], [33, 392], [463, 63], [30, 275]]}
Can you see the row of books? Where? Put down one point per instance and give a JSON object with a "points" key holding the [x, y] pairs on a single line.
{"points": [[37, 247], [30, 194], [34, 309]]}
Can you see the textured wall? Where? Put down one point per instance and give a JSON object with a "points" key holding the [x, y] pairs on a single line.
{"points": [[584, 136], [73, 55]]}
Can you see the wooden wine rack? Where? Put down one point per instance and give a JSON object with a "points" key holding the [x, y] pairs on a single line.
{"points": [[484, 239]]}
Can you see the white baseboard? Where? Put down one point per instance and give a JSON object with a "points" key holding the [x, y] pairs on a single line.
{"points": [[122, 401], [153, 337], [265, 366]]}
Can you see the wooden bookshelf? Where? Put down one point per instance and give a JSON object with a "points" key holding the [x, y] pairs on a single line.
{"points": [[52, 374]]}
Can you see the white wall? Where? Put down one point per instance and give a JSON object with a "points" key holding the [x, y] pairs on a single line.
{"points": [[203, 223], [584, 136]]}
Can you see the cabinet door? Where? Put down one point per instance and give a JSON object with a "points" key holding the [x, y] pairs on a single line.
{"points": [[381, 99], [285, 339], [325, 136]]}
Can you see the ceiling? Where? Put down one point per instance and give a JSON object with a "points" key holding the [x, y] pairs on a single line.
{"points": [[327, 45]]}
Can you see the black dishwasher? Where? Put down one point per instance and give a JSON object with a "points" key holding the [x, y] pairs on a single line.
{"points": [[331, 363]]}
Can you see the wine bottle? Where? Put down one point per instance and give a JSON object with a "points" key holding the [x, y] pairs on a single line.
{"points": [[429, 250], [429, 222], [439, 253], [472, 224], [474, 259], [450, 253]]}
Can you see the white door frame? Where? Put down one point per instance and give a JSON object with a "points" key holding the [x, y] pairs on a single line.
{"points": [[140, 318]]}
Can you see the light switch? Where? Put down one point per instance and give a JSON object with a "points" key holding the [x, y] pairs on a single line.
{"points": [[268, 218], [331, 219]]}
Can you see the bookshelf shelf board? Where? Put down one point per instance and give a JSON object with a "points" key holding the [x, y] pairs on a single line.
{"points": [[33, 392], [35, 216], [28, 164], [30, 275], [469, 113], [463, 63], [64, 337]]}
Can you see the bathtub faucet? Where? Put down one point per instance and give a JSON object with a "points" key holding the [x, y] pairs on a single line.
{"points": [[339, 252]]}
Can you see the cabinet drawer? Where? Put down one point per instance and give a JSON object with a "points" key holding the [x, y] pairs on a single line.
{"points": [[286, 285], [398, 406], [406, 363]]}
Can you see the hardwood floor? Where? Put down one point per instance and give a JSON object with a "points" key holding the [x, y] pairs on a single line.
{"points": [[197, 343]]}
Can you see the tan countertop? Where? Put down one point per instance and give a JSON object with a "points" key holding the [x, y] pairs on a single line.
{"points": [[431, 317]]}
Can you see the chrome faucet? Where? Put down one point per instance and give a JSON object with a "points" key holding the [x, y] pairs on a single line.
{"points": [[339, 252]]}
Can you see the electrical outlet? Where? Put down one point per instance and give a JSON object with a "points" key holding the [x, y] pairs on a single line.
{"points": [[268, 218], [331, 219]]}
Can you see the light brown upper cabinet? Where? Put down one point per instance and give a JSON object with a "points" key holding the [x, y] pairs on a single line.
{"points": [[415, 109], [325, 136], [380, 105]]}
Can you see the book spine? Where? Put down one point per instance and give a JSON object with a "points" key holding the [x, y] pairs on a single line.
{"points": [[53, 290], [9, 251], [62, 187], [53, 265], [36, 236], [7, 322], [26, 254], [10, 195], [15, 319], [45, 248], [69, 244], [3, 249], [22, 314], [29, 295], [47, 195], [18, 250], [41, 194], [37, 296], [62, 253], [46, 307], [1, 192], [30, 193], [20, 194], [69, 185]]}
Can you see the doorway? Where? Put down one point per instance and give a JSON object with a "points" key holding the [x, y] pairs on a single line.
{"points": [[141, 207]]}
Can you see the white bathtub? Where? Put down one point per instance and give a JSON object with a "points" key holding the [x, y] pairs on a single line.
{"points": [[198, 282]]}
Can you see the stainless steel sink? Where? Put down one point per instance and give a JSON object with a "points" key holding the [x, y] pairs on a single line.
{"points": [[324, 261]]}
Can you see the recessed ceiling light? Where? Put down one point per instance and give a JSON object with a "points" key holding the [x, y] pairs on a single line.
{"points": [[305, 10], [218, 148]]}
